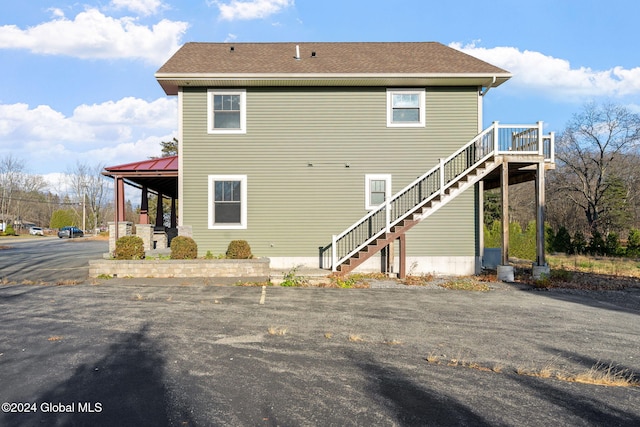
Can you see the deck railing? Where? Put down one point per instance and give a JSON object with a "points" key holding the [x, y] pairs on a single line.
{"points": [[496, 140]]}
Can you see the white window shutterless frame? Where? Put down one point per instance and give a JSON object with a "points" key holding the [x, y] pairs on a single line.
{"points": [[226, 111], [377, 189], [406, 108], [227, 202]]}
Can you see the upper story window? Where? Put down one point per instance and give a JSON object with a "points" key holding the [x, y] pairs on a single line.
{"points": [[227, 111], [405, 108]]}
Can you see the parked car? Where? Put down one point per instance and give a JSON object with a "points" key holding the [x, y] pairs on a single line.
{"points": [[70, 232], [36, 231]]}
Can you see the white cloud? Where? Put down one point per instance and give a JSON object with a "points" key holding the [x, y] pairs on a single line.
{"points": [[255, 9], [113, 132], [542, 73], [94, 35], [144, 7]]}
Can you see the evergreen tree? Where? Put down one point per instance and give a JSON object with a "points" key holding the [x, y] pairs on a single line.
{"points": [[633, 243], [579, 244], [562, 241], [597, 244], [612, 244]]}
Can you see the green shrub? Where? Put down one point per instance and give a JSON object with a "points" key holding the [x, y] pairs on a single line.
{"points": [[597, 244], [239, 249], [633, 243], [9, 231], [183, 247], [579, 244], [562, 241], [612, 245], [129, 247]]}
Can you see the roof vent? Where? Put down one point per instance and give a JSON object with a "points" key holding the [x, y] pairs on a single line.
{"points": [[297, 52], [232, 49], [313, 54]]}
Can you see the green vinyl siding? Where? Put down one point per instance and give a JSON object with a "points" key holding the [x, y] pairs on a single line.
{"points": [[306, 152]]}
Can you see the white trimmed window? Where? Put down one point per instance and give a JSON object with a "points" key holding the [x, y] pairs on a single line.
{"points": [[227, 202], [227, 111], [377, 189], [406, 108]]}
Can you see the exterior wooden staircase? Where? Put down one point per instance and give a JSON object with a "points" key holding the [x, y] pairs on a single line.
{"points": [[431, 191]]}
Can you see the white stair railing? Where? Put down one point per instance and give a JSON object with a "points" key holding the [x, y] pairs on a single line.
{"points": [[495, 140]]}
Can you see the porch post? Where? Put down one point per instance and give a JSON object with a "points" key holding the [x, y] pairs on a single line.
{"points": [[144, 206], [159, 212], [174, 219], [540, 268], [120, 211], [505, 271]]}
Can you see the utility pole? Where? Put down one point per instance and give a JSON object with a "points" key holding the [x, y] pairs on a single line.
{"points": [[84, 211]]}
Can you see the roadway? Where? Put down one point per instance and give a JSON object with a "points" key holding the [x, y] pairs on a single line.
{"points": [[48, 259]]}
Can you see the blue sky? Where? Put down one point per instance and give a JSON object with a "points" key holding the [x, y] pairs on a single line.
{"points": [[78, 77]]}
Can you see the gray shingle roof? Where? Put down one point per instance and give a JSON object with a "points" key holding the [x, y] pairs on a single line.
{"points": [[322, 59]]}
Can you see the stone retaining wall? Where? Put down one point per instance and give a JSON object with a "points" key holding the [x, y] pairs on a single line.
{"points": [[254, 268]]}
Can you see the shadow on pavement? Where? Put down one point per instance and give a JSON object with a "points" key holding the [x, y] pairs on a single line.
{"points": [[123, 388], [623, 300], [411, 403], [589, 410]]}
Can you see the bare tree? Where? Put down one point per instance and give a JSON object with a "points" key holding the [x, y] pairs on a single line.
{"points": [[594, 141], [89, 188], [11, 173]]}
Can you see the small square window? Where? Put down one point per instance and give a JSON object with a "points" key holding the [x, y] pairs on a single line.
{"points": [[405, 108], [227, 201], [227, 111], [377, 190]]}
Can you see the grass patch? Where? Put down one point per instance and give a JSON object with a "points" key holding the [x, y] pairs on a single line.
{"points": [[353, 281], [598, 265], [603, 374], [54, 338], [355, 338], [67, 282], [291, 279], [465, 285], [422, 280], [277, 331]]}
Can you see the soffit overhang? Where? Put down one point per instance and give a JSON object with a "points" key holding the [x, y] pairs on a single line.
{"points": [[171, 82]]}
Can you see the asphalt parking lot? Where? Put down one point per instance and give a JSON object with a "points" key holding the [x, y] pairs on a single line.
{"points": [[150, 353]]}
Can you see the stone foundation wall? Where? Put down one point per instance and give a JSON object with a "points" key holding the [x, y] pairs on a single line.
{"points": [[254, 268]]}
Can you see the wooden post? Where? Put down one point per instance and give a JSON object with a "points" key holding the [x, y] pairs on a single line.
{"points": [[504, 187], [540, 206], [120, 207], [144, 206], [174, 218], [402, 255], [159, 211]]}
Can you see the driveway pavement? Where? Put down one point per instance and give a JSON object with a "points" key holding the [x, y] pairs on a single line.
{"points": [[144, 352]]}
